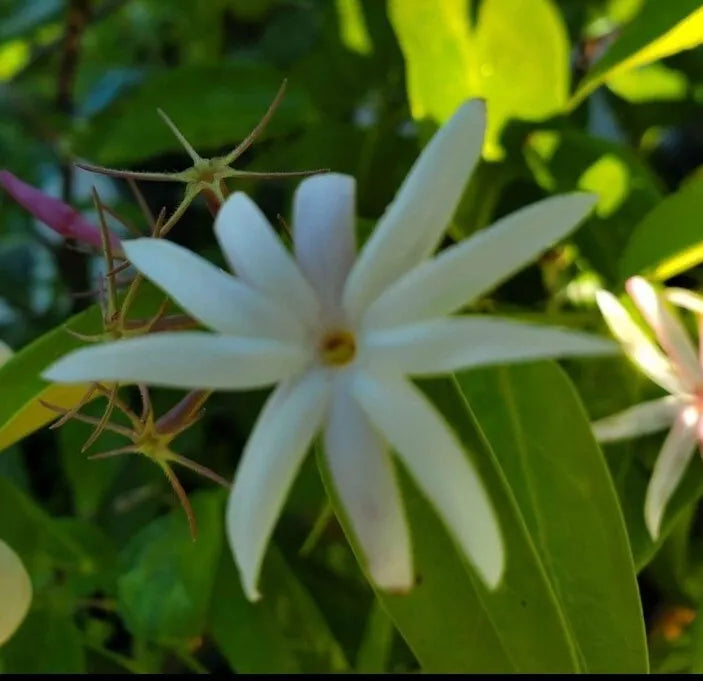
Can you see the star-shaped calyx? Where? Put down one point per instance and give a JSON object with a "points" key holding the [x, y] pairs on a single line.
{"points": [[207, 175]]}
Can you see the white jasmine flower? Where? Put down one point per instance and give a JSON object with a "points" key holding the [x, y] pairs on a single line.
{"points": [[677, 369], [15, 592], [340, 335]]}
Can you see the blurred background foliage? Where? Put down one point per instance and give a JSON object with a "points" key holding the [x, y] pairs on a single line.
{"points": [[602, 95]]}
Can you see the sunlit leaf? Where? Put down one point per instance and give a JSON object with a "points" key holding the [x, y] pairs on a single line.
{"points": [[518, 80], [352, 28], [496, 60], [669, 240], [653, 82], [443, 71], [660, 29]]}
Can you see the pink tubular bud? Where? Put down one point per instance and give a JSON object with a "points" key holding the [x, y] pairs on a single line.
{"points": [[57, 215]]}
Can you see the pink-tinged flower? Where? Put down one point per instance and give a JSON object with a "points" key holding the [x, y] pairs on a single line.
{"points": [[15, 592], [678, 369], [56, 214]]}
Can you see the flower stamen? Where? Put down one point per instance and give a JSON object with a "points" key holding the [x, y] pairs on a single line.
{"points": [[338, 347]]}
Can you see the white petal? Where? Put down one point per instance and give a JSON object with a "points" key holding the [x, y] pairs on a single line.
{"points": [[635, 343], [324, 233], [439, 465], [443, 345], [256, 254], [671, 464], [671, 334], [217, 299], [363, 475], [15, 592], [642, 419], [414, 223], [183, 359], [272, 456], [463, 272], [684, 298]]}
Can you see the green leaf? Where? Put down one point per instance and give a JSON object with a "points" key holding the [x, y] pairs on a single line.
{"points": [[283, 633], [442, 72], [90, 481], [660, 29], [654, 82], [563, 161], [213, 106], [164, 592], [450, 620], [352, 27], [669, 239], [38, 538], [48, 642], [496, 60], [537, 427], [375, 649], [22, 388], [524, 70]]}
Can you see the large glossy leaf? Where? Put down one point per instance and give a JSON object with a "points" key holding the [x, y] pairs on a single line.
{"points": [[164, 592], [231, 99], [283, 633], [21, 386], [537, 427], [449, 619], [659, 30], [496, 59], [669, 239]]}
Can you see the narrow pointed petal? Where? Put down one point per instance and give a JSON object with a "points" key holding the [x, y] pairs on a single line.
{"points": [[272, 456], [415, 221], [324, 233], [363, 475], [462, 273], [217, 299], [668, 471], [682, 297], [443, 345], [688, 300], [184, 359], [440, 466], [671, 334], [642, 419], [636, 345], [15, 592], [254, 251]]}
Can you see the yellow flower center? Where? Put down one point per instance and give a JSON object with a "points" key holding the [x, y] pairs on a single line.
{"points": [[338, 347]]}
